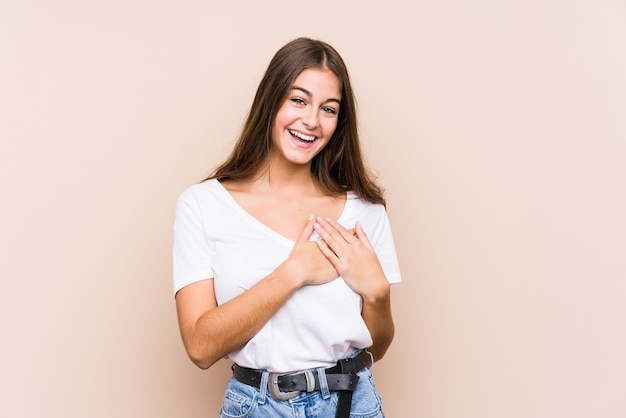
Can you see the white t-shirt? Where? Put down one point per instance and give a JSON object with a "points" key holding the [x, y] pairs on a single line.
{"points": [[215, 238]]}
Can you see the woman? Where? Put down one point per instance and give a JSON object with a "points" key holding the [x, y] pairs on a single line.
{"points": [[283, 257]]}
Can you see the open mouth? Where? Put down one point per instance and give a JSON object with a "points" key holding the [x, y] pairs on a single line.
{"points": [[308, 139]]}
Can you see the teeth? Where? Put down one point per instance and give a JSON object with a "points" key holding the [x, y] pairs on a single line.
{"points": [[303, 137]]}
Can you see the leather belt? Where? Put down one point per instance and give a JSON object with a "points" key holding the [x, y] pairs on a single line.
{"points": [[341, 377]]}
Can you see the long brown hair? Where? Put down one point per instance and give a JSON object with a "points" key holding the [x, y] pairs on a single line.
{"points": [[339, 165]]}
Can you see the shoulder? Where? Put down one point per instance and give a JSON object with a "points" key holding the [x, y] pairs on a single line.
{"points": [[203, 206], [359, 205], [208, 189], [372, 216], [202, 199]]}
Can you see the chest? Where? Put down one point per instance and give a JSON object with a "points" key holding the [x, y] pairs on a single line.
{"points": [[287, 215]]}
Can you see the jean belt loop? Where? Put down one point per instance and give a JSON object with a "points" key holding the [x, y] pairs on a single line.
{"points": [[371, 357], [263, 387], [321, 375]]}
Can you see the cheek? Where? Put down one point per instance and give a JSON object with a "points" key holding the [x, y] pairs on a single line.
{"points": [[279, 124], [283, 116], [330, 128]]}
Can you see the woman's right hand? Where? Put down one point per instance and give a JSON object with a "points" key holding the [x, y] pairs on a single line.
{"points": [[307, 261]]}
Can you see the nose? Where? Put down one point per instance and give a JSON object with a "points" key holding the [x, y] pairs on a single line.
{"points": [[310, 118]]}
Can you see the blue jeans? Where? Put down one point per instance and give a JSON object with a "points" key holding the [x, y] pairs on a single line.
{"points": [[241, 400]]}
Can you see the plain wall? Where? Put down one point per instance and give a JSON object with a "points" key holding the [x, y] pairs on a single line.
{"points": [[496, 127]]}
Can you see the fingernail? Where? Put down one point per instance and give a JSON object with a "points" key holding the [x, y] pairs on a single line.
{"points": [[311, 217]]}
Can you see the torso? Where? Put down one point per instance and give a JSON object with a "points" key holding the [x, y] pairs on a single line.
{"points": [[284, 212], [217, 238]]}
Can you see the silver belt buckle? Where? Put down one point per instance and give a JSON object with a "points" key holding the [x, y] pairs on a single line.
{"points": [[272, 383]]}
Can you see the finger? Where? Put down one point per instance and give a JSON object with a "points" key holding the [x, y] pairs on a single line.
{"points": [[345, 233], [361, 235], [327, 231], [306, 232], [330, 237], [328, 253]]}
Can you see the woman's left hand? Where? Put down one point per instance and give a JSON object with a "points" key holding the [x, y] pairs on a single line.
{"points": [[353, 256]]}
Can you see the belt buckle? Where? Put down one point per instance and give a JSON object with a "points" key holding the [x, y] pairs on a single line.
{"points": [[272, 383]]}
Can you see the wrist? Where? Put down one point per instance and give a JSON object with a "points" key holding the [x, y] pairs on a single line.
{"points": [[377, 294], [289, 275]]}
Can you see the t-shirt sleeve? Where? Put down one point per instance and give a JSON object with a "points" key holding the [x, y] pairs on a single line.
{"points": [[382, 241], [192, 252]]}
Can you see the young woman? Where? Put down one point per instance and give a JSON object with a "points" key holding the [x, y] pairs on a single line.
{"points": [[283, 257]]}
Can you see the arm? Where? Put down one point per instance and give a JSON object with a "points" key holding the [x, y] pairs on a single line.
{"points": [[210, 332], [356, 262], [377, 316]]}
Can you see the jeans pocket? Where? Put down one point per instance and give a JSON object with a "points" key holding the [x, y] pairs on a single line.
{"points": [[366, 402], [239, 400]]}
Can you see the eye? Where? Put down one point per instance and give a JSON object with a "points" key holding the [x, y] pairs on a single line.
{"points": [[329, 110], [298, 101]]}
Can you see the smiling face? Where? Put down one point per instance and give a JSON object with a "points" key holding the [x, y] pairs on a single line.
{"points": [[307, 118]]}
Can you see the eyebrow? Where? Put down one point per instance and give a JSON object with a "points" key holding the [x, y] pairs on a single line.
{"points": [[308, 93]]}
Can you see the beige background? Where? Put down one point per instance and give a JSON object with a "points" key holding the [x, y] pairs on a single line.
{"points": [[497, 128]]}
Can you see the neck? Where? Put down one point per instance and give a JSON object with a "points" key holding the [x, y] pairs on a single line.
{"points": [[288, 178]]}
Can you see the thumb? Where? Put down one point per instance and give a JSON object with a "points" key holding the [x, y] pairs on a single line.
{"points": [[306, 232]]}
